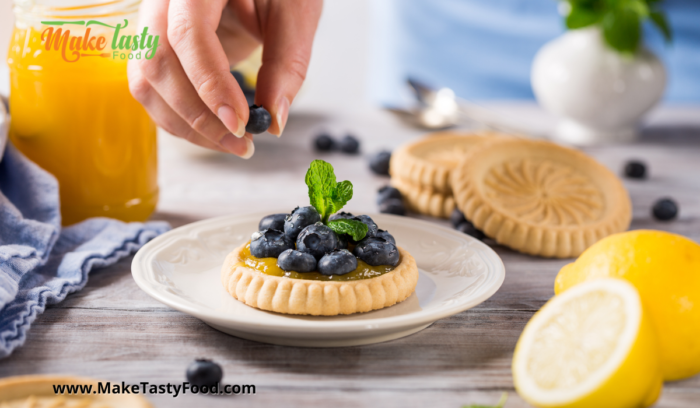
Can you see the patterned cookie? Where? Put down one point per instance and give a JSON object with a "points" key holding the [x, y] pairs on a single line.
{"points": [[428, 162], [540, 198]]}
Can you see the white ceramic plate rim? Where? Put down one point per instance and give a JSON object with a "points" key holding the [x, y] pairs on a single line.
{"points": [[141, 267]]}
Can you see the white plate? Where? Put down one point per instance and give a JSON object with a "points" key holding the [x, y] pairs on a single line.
{"points": [[181, 268]]}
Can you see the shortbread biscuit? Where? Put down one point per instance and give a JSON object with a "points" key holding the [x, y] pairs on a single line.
{"points": [[318, 298], [540, 198], [425, 200], [428, 162]]}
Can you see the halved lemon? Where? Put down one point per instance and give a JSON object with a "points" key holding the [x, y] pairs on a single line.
{"points": [[592, 346]]}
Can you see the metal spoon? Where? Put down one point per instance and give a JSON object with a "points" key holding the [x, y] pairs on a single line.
{"points": [[440, 109]]}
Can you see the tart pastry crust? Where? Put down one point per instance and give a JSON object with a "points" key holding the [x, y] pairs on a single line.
{"points": [[425, 200], [37, 391], [428, 162], [540, 198], [318, 298]]}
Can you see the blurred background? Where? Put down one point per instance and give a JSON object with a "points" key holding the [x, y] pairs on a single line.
{"points": [[483, 50]]}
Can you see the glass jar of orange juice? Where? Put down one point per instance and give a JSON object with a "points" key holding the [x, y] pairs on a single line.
{"points": [[70, 106]]}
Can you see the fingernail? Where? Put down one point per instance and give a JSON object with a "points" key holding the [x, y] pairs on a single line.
{"points": [[241, 128], [231, 120], [282, 113], [250, 149]]}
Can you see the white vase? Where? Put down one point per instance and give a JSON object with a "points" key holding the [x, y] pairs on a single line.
{"points": [[599, 94]]}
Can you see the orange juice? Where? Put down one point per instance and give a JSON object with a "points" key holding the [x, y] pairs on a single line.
{"points": [[77, 119]]}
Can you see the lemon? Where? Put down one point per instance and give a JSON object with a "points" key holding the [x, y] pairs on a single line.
{"points": [[665, 269], [592, 346]]}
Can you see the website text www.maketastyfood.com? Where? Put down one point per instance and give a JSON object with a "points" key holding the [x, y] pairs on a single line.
{"points": [[175, 390]]}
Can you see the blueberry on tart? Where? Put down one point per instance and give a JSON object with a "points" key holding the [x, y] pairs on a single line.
{"points": [[320, 261]]}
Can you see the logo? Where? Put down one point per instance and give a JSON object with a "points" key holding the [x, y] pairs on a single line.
{"points": [[73, 47]]}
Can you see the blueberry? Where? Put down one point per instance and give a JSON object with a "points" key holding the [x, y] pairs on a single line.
{"points": [[343, 241], [379, 163], [204, 373], [392, 206], [338, 262], [341, 216], [469, 229], [272, 221], [317, 240], [635, 169], [324, 143], [300, 218], [665, 209], [349, 145], [387, 192], [259, 120], [385, 234], [377, 251], [269, 243], [371, 225], [457, 217], [292, 260]]}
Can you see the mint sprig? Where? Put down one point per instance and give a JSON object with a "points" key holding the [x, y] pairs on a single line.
{"points": [[328, 196], [620, 20], [500, 404], [356, 229]]}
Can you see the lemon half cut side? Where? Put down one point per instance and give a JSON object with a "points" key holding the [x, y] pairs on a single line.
{"points": [[592, 346]]}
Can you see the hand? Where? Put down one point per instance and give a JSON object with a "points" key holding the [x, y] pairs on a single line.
{"points": [[187, 87]]}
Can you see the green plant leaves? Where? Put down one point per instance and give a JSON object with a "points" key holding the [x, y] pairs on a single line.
{"points": [[660, 21], [620, 20], [356, 229], [622, 30], [325, 194]]}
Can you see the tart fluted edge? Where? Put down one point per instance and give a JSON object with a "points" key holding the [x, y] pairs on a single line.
{"points": [[318, 298]]}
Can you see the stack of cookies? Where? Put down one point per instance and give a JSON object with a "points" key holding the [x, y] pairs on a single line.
{"points": [[534, 196], [422, 170]]}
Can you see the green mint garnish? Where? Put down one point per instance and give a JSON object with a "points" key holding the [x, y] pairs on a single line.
{"points": [[328, 196], [356, 229]]}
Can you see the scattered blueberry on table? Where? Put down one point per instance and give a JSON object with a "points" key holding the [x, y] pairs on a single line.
{"points": [[387, 192], [392, 206], [204, 373], [349, 144], [324, 143], [635, 169], [258, 120], [379, 163], [461, 224], [665, 209]]}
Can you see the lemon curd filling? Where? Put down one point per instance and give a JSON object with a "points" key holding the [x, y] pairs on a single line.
{"points": [[269, 266]]}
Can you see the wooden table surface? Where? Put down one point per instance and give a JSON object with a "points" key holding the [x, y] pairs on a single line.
{"points": [[112, 330]]}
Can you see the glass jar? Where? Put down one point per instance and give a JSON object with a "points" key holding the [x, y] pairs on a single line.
{"points": [[71, 109]]}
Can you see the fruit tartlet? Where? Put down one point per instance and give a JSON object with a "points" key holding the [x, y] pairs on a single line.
{"points": [[318, 261]]}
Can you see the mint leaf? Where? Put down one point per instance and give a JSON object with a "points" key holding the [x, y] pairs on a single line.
{"points": [[659, 20], [325, 194], [321, 181], [356, 229], [341, 195]]}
